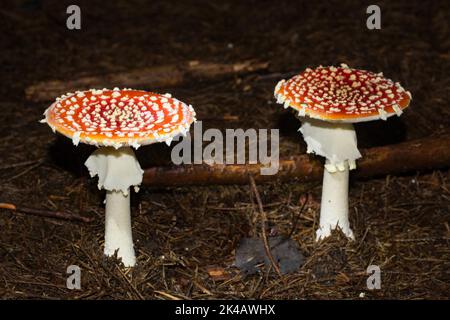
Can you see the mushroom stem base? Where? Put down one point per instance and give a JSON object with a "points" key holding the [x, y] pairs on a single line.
{"points": [[118, 234], [334, 204]]}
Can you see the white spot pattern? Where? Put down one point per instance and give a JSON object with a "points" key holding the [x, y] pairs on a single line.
{"points": [[342, 93], [119, 117]]}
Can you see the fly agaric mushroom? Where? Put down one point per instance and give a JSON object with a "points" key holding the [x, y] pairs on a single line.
{"points": [[116, 120], [328, 101]]}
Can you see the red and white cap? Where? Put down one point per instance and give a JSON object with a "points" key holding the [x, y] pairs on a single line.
{"points": [[342, 94], [119, 118]]}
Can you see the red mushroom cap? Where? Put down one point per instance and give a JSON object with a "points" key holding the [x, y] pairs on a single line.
{"points": [[119, 117], [342, 94]]}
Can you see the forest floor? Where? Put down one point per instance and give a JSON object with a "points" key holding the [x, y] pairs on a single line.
{"points": [[401, 223]]}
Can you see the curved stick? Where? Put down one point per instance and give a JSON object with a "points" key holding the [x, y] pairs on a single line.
{"points": [[423, 154]]}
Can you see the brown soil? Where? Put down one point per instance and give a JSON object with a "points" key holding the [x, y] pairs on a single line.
{"points": [[401, 223]]}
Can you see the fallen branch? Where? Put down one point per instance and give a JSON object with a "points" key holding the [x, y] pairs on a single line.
{"points": [[149, 78], [45, 213], [416, 155]]}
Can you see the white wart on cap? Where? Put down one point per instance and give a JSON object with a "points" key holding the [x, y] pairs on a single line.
{"points": [[119, 118], [342, 94]]}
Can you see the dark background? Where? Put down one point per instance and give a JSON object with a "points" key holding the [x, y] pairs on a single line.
{"points": [[400, 223]]}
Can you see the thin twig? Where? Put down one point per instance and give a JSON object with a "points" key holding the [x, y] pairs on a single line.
{"points": [[37, 164], [263, 222], [18, 164], [136, 291], [167, 295], [45, 213], [297, 217], [422, 239]]}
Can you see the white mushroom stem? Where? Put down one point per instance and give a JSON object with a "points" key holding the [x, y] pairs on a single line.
{"points": [[118, 234], [337, 143], [334, 203], [117, 170]]}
